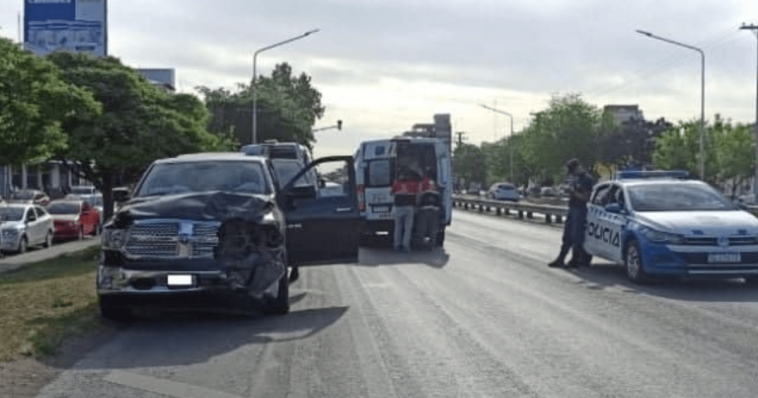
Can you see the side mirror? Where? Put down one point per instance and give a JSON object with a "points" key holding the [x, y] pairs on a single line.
{"points": [[321, 183], [741, 206], [614, 208], [301, 192]]}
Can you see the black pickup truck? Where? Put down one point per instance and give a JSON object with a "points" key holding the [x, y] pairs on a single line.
{"points": [[222, 223]]}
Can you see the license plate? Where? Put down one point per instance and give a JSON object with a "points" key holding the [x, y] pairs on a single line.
{"points": [[180, 280], [381, 209], [724, 258]]}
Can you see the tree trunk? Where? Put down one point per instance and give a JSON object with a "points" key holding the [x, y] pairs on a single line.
{"points": [[107, 191]]}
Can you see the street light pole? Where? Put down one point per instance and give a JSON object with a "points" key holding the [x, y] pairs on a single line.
{"points": [[255, 76], [754, 28], [702, 93], [512, 143]]}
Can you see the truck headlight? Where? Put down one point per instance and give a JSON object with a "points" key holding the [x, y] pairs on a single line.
{"points": [[663, 237], [114, 239]]}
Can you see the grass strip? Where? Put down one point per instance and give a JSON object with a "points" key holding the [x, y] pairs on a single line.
{"points": [[43, 303]]}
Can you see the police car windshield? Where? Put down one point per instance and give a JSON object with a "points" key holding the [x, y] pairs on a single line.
{"points": [[676, 197]]}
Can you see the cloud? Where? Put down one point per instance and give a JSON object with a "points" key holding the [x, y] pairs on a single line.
{"points": [[383, 66]]}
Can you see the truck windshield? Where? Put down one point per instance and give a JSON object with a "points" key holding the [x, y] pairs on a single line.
{"points": [[189, 177]]}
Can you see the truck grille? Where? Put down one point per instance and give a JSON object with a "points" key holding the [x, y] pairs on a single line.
{"points": [[172, 239]]}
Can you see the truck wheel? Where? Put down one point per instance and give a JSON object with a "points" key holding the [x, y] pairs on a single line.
{"points": [[114, 313], [279, 305]]}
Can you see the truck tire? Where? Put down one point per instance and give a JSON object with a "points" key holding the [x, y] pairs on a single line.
{"points": [[279, 305], [109, 310]]}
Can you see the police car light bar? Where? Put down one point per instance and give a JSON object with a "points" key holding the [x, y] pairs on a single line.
{"points": [[647, 174]]}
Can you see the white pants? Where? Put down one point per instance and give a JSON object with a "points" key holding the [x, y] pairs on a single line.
{"points": [[403, 225]]}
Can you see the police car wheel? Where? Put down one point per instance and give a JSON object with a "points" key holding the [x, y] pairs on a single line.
{"points": [[635, 269]]}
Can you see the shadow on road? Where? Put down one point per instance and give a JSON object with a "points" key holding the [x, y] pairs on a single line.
{"points": [[437, 257], [603, 275], [171, 339]]}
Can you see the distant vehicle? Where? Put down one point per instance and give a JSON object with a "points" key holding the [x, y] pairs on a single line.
{"points": [[503, 191], [667, 226], [83, 190], [29, 196], [74, 219], [24, 225], [376, 165], [533, 190], [548, 192]]}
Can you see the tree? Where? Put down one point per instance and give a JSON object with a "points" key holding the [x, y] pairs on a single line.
{"points": [[288, 107], [34, 102], [632, 142], [679, 148], [569, 128], [735, 153], [469, 164], [139, 123]]}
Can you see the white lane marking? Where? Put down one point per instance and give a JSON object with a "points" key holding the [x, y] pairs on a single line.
{"points": [[163, 386]]}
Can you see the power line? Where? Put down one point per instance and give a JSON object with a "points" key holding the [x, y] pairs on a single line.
{"points": [[666, 64]]}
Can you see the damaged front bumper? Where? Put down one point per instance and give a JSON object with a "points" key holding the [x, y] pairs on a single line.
{"points": [[256, 275]]}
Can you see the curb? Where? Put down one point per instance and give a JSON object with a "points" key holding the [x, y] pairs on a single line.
{"points": [[13, 263]]}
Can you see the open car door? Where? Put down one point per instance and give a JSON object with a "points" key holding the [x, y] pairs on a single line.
{"points": [[322, 229]]}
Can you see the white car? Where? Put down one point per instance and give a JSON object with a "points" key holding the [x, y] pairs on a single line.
{"points": [[23, 226], [503, 191], [665, 226]]}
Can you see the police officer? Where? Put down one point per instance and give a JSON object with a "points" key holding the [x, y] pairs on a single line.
{"points": [[404, 190], [580, 185], [428, 210]]}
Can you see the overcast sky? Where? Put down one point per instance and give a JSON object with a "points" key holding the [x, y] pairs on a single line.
{"points": [[383, 66]]}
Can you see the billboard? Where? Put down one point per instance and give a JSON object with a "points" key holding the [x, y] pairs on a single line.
{"points": [[66, 25]]}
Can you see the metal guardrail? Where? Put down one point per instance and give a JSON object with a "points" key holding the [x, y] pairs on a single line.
{"points": [[552, 213]]}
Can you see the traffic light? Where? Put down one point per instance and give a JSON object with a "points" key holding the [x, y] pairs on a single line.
{"points": [[339, 125]]}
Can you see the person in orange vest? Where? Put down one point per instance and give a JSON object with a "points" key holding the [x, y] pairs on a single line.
{"points": [[404, 189], [428, 210]]}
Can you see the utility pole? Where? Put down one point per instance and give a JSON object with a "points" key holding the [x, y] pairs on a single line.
{"points": [[460, 135], [754, 29]]}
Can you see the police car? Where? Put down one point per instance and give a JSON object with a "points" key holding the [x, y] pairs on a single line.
{"points": [[660, 223]]}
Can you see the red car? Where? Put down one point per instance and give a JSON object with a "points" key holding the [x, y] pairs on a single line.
{"points": [[74, 218]]}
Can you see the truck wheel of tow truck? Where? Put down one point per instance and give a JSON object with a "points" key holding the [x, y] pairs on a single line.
{"points": [[109, 310], [635, 268], [279, 305]]}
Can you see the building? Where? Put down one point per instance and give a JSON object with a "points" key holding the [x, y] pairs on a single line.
{"points": [[624, 113], [51, 177], [164, 78], [440, 128]]}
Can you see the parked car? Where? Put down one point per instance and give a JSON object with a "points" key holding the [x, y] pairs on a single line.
{"points": [[74, 218], [29, 196], [83, 190], [24, 225], [503, 191]]}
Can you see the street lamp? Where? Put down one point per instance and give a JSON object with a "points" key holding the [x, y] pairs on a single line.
{"points": [[255, 76], [702, 92], [512, 143]]}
